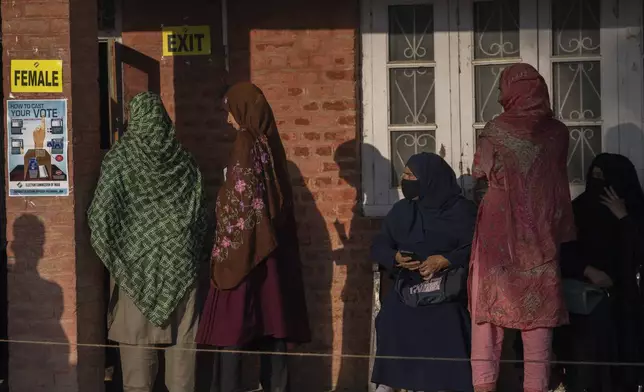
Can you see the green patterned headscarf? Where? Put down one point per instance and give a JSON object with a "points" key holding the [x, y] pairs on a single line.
{"points": [[147, 218]]}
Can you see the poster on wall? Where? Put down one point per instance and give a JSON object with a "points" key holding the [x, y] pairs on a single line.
{"points": [[37, 147]]}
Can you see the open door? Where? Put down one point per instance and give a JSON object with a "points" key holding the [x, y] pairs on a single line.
{"points": [[115, 74]]}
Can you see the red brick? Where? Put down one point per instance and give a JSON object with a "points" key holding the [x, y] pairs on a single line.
{"points": [[322, 61], [26, 26], [312, 136], [336, 105], [324, 151], [301, 151], [55, 41], [330, 167], [47, 9], [272, 47], [323, 181], [297, 60], [340, 75], [347, 120], [310, 43], [307, 77], [311, 106]]}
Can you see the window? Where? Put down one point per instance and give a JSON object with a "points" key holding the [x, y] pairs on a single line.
{"points": [[496, 45], [576, 79], [431, 70], [412, 78], [579, 61], [408, 65], [493, 35]]}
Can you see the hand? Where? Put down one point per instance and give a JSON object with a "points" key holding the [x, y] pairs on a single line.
{"points": [[432, 265], [39, 135], [598, 277], [614, 203], [406, 262]]}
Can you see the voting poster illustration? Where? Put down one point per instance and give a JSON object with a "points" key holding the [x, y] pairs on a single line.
{"points": [[37, 147]]}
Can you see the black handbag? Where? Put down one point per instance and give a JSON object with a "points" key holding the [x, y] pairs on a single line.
{"points": [[582, 298], [446, 286]]}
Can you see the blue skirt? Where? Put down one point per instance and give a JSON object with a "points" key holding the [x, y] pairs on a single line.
{"points": [[438, 331]]}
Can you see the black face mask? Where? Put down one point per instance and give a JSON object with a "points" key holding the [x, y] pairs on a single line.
{"points": [[596, 186], [410, 189]]}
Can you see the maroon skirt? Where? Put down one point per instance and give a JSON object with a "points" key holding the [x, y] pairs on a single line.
{"points": [[260, 306]]}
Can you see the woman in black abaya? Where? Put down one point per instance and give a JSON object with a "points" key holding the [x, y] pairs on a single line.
{"points": [[608, 253], [436, 223]]}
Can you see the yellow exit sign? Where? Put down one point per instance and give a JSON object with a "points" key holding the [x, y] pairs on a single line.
{"points": [[36, 76], [186, 40]]}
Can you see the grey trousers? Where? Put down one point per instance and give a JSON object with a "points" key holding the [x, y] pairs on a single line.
{"points": [[140, 368], [273, 368]]}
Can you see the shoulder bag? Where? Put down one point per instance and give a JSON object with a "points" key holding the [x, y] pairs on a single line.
{"points": [[446, 286], [581, 298]]}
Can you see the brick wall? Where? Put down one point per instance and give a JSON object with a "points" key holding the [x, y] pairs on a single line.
{"points": [[50, 269], [304, 56]]}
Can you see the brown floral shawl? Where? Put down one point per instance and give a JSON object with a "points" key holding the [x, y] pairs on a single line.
{"points": [[251, 203]]}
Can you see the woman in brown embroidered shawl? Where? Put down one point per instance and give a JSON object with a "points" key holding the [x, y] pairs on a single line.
{"points": [[257, 297]]}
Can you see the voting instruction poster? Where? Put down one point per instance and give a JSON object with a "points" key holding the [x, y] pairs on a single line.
{"points": [[37, 147]]}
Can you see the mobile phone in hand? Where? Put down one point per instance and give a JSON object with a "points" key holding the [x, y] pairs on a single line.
{"points": [[413, 256]]}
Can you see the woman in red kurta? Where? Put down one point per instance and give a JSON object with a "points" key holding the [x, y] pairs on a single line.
{"points": [[524, 216]]}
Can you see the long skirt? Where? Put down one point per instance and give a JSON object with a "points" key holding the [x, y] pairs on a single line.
{"points": [[262, 305]]}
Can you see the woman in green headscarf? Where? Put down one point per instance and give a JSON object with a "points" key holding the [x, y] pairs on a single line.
{"points": [[147, 224]]}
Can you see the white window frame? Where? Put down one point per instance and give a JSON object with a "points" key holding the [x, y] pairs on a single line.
{"points": [[378, 195]]}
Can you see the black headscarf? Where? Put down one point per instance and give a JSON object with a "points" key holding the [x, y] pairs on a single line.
{"points": [[437, 180], [439, 192], [619, 173]]}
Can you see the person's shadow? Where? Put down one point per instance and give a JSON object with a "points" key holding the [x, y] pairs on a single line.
{"points": [[627, 139], [41, 313], [315, 245], [358, 291]]}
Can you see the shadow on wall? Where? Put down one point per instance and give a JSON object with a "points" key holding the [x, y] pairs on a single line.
{"points": [[358, 291], [148, 73], [42, 316], [627, 139], [317, 270]]}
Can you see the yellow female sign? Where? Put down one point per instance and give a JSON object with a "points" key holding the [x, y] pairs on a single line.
{"points": [[36, 76]]}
